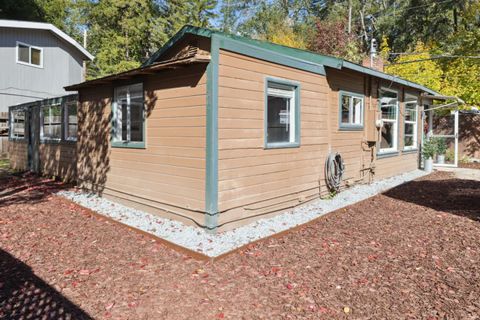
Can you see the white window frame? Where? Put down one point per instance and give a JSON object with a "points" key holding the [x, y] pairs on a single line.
{"points": [[289, 90], [12, 135], [352, 124], [394, 121], [116, 140], [66, 120], [30, 47], [42, 118], [410, 99]]}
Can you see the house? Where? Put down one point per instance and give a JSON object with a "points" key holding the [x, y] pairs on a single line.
{"points": [[37, 60], [218, 130]]}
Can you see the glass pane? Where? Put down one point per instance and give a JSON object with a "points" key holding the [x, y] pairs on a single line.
{"points": [[389, 112], [408, 140], [72, 121], [52, 122], [278, 119], [410, 113], [443, 124], [23, 53], [18, 124], [357, 111], [136, 122], [345, 109], [409, 128], [388, 131], [124, 122], [388, 104], [36, 56]]}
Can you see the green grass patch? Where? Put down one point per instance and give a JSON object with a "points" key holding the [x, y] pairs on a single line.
{"points": [[4, 164]]}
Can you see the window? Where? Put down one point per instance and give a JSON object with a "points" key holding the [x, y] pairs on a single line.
{"points": [[51, 122], [389, 107], [17, 124], [282, 115], [410, 123], [351, 110], [71, 123], [128, 117], [30, 55]]}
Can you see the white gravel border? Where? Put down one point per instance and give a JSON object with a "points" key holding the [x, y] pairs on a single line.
{"points": [[213, 245]]}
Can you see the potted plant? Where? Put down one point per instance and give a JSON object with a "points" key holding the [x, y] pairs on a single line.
{"points": [[428, 151], [441, 150]]}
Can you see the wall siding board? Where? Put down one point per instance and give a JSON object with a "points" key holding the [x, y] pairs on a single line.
{"points": [[168, 176]]}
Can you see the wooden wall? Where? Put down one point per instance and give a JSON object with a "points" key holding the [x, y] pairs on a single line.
{"points": [[254, 180], [59, 160], [168, 176], [18, 154]]}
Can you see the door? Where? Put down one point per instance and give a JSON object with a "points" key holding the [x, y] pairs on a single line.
{"points": [[443, 126], [33, 138]]}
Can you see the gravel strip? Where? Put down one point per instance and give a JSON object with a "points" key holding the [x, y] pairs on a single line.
{"points": [[213, 245]]}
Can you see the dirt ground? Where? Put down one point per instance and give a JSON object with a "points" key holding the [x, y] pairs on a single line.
{"points": [[471, 165], [411, 253]]}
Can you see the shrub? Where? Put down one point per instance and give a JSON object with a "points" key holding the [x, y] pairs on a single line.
{"points": [[429, 149]]}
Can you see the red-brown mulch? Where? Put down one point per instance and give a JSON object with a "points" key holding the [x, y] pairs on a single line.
{"points": [[410, 253]]}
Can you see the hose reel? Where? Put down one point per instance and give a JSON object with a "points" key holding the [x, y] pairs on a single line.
{"points": [[334, 169]]}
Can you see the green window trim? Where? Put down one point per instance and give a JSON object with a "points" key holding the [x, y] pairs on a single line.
{"points": [[296, 86], [12, 137], [349, 126], [127, 144]]}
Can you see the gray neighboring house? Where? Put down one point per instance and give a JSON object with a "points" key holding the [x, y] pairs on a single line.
{"points": [[36, 61]]}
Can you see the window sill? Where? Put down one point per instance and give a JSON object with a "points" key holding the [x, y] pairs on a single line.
{"points": [[281, 145], [30, 64], [387, 154], [131, 145], [407, 151], [50, 141], [17, 139], [350, 128]]}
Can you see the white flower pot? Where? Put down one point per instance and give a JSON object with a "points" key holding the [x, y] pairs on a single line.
{"points": [[441, 159], [428, 165]]}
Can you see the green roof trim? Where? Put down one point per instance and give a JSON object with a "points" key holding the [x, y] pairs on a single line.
{"points": [[385, 76], [296, 58]]}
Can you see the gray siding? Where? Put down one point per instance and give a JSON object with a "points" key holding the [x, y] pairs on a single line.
{"points": [[19, 83]]}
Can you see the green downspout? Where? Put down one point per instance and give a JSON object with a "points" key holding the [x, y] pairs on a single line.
{"points": [[211, 181]]}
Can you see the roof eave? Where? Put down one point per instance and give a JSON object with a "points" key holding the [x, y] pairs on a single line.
{"points": [[389, 77]]}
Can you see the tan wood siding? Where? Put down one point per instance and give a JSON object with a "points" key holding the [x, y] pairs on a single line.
{"points": [[18, 155], [169, 174], [59, 160], [253, 180]]}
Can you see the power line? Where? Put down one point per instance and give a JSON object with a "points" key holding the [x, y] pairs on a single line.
{"points": [[435, 58]]}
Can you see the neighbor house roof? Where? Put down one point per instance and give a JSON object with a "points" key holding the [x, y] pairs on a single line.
{"points": [[312, 58], [48, 27]]}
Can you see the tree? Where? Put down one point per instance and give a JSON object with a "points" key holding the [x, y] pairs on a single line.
{"points": [[332, 39]]}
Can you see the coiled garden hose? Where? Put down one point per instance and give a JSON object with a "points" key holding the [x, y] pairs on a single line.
{"points": [[334, 169]]}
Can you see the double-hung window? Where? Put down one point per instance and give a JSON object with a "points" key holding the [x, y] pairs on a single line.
{"points": [[71, 121], [282, 123], [129, 117], [351, 110], [30, 55], [410, 123], [389, 133], [51, 122], [17, 124]]}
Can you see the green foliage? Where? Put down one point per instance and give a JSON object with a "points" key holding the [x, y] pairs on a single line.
{"points": [[429, 149], [426, 72], [441, 145]]}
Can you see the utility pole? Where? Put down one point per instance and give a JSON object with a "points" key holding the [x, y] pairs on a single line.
{"points": [[84, 62], [349, 16]]}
